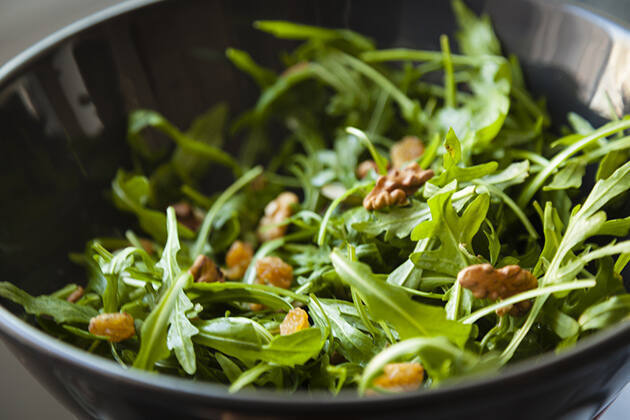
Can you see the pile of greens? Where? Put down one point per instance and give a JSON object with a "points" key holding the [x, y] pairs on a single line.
{"points": [[379, 286]]}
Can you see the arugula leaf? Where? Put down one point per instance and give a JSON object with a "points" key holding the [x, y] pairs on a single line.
{"points": [[238, 337], [293, 349], [156, 339], [388, 303], [206, 129], [438, 356], [232, 370], [249, 341], [475, 35], [290, 30], [399, 222], [452, 171], [604, 131], [206, 226], [585, 221], [59, 309], [568, 177], [355, 345], [249, 376], [516, 173], [395, 222], [180, 330], [140, 119], [244, 62], [606, 313], [452, 230], [206, 293], [131, 193]]}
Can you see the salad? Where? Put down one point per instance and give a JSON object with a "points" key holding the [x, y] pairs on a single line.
{"points": [[393, 220]]}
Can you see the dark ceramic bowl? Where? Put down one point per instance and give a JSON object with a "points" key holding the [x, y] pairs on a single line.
{"points": [[63, 107]]}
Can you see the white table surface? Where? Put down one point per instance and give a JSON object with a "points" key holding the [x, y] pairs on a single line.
{"points": [[21, 396]]}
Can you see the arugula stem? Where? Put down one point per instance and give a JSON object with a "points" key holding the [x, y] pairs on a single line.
{"points": [[536, 184], [249, 376], [618, 144], [531, 156], [209, 287], [406, 54], [358, 304], [321, 235], [523, 97], [449, 80], [381, 162], [512, 205], [428, 295], [204, 231], [410, 109], [388, 332], [546, 290], [196, 196], [454, 313], [377, 113]]}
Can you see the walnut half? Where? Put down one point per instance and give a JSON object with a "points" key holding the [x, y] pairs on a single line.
{"points": [[408, 149], [396, 186], [188, 216], [485, 281], [276, 212], [204, 270]]}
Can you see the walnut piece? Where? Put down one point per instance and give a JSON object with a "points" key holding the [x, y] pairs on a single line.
{"points": [[76, 295], [484, 281], [147, 245], [274, 271], [204, 270], [365, 167], [297, 67], [408, 149], [115, 326], [188, 216], [237, 259], [401, 376], [396, 186], [295, 320], [276, 212]]}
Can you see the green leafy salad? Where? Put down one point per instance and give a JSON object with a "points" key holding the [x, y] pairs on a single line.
{"points": [[413, 219]]}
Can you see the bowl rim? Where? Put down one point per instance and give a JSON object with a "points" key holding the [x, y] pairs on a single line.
{"points": [[22, 332]]}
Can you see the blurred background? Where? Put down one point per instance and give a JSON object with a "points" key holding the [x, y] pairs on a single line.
{"points": [[21, 397]]}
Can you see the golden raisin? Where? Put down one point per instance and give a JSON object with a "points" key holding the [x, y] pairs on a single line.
{"points": [[237, 259], [76, 295], [256, 307], [115, 326], [295, 320], [204, 270], [408, 149], [276, 212], [274, 271], [401, 376]]}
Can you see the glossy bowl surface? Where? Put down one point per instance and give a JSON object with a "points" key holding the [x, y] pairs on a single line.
{"points": [[63, 107]]}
